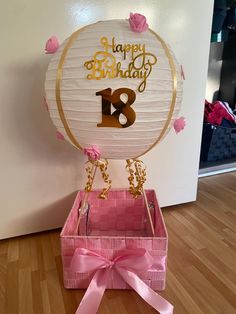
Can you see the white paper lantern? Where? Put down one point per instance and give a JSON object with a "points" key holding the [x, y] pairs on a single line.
{"points": [[71, 90]]}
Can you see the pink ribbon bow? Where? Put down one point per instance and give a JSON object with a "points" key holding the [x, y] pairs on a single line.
{"points": [[127, 263]]}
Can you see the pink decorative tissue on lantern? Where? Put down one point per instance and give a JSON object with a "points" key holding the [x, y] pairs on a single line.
{"points": [[138, 22], [59, 136], [114, 91], [179, 124], [52, 45], [92, 152]]}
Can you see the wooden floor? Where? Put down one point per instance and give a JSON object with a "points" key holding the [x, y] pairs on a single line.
{"points": [[201, 274]]}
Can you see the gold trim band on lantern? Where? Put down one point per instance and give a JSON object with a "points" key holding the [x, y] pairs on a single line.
{"points": [[71, 40], [174, 92], [69, 133]]}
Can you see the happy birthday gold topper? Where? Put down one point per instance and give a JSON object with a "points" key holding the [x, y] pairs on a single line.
{"points": [[104, 65]]}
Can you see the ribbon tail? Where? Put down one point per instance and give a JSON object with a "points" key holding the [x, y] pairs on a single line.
{"points": [[93, 295], [149, 295]]}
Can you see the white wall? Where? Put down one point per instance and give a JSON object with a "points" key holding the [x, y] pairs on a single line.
{"points": [[39, 174]]}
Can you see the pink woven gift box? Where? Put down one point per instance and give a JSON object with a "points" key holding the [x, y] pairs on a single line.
{"points": [[115, 224]]}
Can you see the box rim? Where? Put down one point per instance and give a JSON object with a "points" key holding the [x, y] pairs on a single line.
{"points": [[63, 236]]}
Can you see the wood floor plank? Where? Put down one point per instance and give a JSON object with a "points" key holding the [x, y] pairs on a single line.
{"points": [[24, 252], [71, 298], [3, 246], [229, 235], [200, 298], [13, 250], [25, 291], [206, 200], [221, 215], [216, 280], [12, 288], [201, 276], [45, 297], [48, 257], [40, 260], [36, 292], [200, 283], [184, 296], [3, 276], [218, 267], [33, 255], [54, 292]]}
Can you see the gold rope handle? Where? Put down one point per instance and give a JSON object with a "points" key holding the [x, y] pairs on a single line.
{"points": [[138, 174], [90, 175], [131, 176], [103, 165]]}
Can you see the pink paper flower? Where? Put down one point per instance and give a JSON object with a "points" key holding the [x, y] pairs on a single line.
{"points": [[182, 72], [45, 103], [52, 45], [138, 22], [59, 136], [179, 124], [92, 152]]}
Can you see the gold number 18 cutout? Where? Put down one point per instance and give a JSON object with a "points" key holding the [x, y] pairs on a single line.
{"points": [[113, 119]]}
